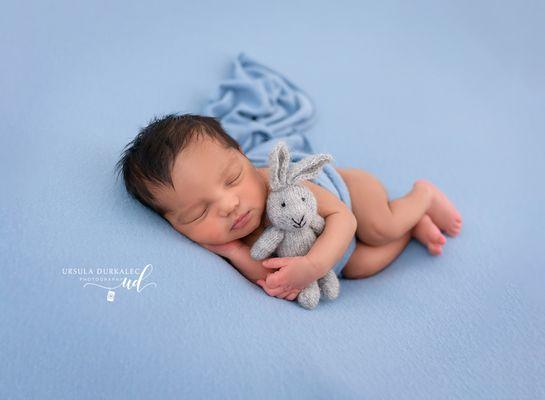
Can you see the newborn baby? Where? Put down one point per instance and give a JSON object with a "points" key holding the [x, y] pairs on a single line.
{"points": [[192, 173]]}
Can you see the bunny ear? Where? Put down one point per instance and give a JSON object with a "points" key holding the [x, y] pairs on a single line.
{"points": [[279, 161], [308, 168]]}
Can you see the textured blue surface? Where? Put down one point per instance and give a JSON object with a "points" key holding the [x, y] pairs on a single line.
{"points": [[452, 92]]}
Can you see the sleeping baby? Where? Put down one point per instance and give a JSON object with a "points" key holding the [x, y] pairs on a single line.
{"points": [[192, 173]]}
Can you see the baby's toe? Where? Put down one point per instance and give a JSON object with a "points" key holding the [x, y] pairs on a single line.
{"points": [[435, 249], [437, 238]]}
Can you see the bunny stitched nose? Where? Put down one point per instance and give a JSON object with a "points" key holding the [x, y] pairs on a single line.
{"points": [[299, 224]]}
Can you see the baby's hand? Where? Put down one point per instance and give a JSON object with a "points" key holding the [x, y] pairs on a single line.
{"points": [[294, 273], [279, 292]]}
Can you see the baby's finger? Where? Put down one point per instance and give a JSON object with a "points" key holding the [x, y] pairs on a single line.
{"points": [[292, 296], [264, 286], [271, 266], [279, 291], [283, 295], [274, 291], [287, 294], [267, 290], [275, 279], [295, 293]]}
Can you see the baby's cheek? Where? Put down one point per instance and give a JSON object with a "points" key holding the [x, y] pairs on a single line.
{"points": [[214, 232]]}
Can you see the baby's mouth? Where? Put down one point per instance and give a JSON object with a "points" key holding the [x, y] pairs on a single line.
{"points": [[244, 217]]}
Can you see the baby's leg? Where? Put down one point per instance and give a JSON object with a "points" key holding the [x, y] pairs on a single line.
{"points": [[381, 221], [366, 260], [427, 233]]}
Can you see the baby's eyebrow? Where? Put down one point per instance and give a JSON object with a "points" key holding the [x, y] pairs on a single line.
{"points": [[227, 167]]}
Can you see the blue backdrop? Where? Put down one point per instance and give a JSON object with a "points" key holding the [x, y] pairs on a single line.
{"points": [[448, 91]]}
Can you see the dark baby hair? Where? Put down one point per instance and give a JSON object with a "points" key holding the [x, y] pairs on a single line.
{"points": [[149, 158]]}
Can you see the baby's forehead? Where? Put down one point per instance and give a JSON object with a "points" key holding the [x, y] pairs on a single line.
{"points": [[204, 149], [203, 163]]}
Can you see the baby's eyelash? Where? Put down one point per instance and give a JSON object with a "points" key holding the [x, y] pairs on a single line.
{"points": [[235, 178], [204, 212]]}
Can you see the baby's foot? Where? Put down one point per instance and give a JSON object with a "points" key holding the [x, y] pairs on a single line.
{"points": [[427, 233], [442, 212]]}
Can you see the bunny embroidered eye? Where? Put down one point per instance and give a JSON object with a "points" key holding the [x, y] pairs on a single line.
{"points": [[302, 198], [283, 204]]}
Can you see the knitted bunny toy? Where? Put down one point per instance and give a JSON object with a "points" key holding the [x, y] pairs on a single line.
{"points": [[295, 222]]}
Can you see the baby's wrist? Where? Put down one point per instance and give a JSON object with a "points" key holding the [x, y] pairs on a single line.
{"points": [[318, 266]]}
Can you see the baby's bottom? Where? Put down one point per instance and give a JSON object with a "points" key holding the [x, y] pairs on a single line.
{"points": [[386, 227]]}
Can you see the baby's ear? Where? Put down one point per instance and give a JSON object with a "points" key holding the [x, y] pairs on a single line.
{"points": [[308, 168], [279, 161]]}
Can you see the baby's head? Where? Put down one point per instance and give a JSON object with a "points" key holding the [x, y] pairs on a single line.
{"points": [[192, 173]]}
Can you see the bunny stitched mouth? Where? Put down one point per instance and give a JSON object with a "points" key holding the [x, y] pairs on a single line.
{"points": [[299, 223]]}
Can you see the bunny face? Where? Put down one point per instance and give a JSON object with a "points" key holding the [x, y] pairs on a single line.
{"points": [[290, 204], [291, 208]]}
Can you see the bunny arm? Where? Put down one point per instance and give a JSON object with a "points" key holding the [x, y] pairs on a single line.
{"points": [[317, 224], [267, 243]]}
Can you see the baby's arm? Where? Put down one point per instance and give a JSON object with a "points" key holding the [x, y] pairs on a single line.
{"points": [[340, 227], [252, 270], [328, 249], [238, 255]]}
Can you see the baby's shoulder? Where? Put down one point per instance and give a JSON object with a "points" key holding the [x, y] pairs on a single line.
{"points": [[326, 201]]}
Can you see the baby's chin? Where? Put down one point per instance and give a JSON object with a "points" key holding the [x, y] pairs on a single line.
{"points": [[242, 233]]}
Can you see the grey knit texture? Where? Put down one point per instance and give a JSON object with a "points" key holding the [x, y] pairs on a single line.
{"points": [[295, 222]]}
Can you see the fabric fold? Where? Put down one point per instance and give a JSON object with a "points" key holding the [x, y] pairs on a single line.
{"points": [[258, 105]]}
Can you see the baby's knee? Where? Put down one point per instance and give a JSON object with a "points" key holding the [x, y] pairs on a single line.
{"points": [[375, 234], [386, 229]]}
